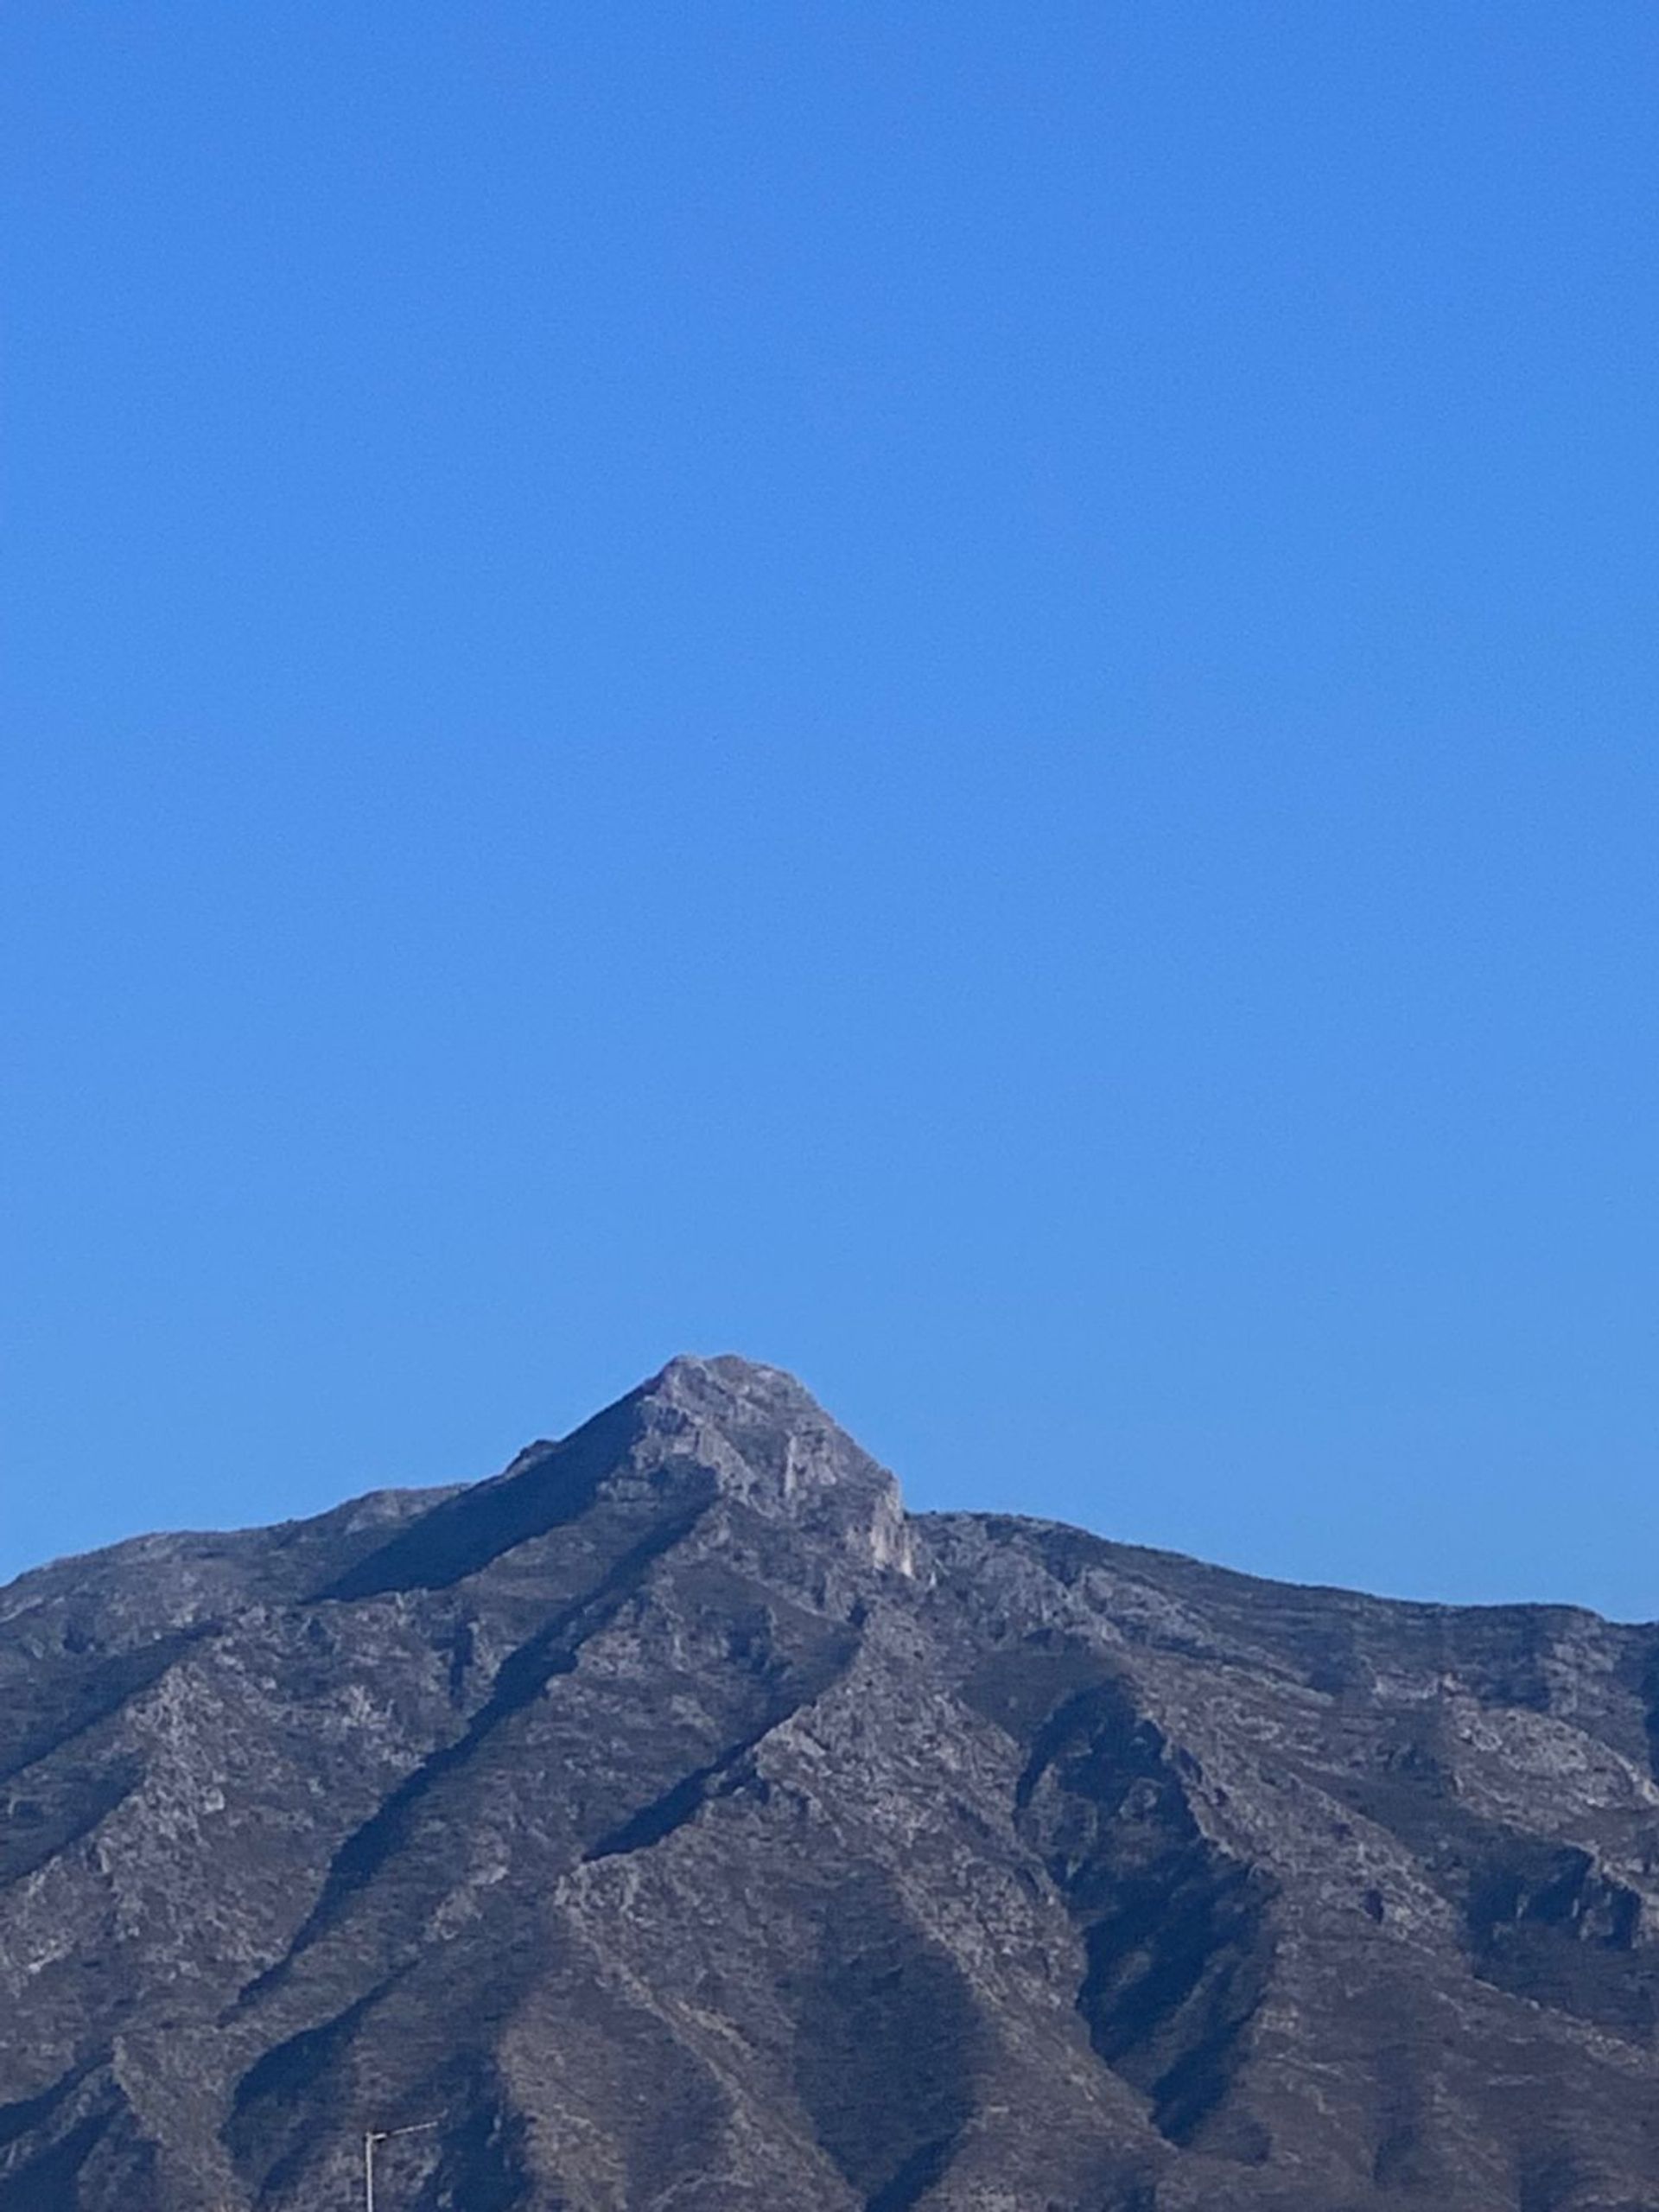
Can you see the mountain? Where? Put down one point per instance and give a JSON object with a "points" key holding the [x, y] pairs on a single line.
{"points": [[680, 1827]]}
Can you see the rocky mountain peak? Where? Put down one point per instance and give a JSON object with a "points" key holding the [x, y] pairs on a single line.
{"points": [[727, 1379], [626, 1829], [701, 1433], [767, 1444]]}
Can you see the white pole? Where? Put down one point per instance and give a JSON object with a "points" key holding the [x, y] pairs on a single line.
{"points": [[373, 2135]]}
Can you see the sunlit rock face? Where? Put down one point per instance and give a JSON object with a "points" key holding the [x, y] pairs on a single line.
{"points": [[681, 1828]]}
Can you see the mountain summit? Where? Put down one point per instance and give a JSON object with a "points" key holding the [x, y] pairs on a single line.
{"points": [[678, 1826]]}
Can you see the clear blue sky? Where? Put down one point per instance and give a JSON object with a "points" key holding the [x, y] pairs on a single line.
{"points": [[960, 695]]}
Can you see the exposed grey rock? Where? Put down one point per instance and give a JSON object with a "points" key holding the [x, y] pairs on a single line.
{"points": [[685, 1830]]}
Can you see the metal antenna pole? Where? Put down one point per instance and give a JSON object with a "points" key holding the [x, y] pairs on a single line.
{"points": [[373, 2135]]}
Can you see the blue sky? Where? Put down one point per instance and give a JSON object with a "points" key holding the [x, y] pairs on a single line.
{"points": [[959, 695]]}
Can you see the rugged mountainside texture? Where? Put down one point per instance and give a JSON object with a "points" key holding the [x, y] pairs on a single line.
{"points": [[683, 1828]]}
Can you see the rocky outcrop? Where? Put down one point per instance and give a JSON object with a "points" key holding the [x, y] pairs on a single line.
{"points": [[679, 1827]]}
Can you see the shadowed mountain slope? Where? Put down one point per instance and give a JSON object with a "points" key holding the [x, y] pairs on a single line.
{"points": [[683, 1828]]}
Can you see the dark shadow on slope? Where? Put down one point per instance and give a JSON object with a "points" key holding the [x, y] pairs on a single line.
{"points": [[28, 2113], [62, 1809], [276, 2116], [1541, 1919], [72, 1694], [423, 2040], [1177, 1940], [729, 1771], [886, 2049], [652, 1823], [482, 2164], [483, 2171], [1544, 1923], [47, 2178], [1176, 1972], [287, 2070], [547, 1487], [926, 2165], [50, 2181], [522, 1677]]}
